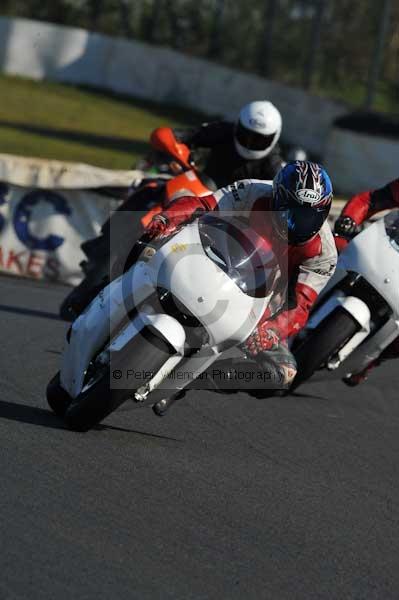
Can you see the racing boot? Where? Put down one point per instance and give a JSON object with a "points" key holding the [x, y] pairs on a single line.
{"points": [[354, 379]]}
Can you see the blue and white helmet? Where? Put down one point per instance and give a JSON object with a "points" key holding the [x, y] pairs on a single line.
{"points": [[302, 197]]}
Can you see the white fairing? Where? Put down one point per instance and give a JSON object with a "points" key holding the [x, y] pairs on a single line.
{"points": [[225, 311], [372, 255], [181, 266]]}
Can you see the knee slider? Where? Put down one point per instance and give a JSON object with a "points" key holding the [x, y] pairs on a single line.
{"points": [[289, 372]]}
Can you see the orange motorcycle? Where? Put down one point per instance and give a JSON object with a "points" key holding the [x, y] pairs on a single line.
{"points": [[120, 232]]}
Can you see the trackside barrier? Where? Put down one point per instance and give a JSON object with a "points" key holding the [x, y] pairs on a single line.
{"points": [[47, 209], [357, 162]]}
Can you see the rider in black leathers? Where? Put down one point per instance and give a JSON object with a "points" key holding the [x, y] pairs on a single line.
{"points": [[246, 149]]}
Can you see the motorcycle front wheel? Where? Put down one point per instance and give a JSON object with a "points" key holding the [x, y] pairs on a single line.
{"points": [[322, 344], [144, 355]]}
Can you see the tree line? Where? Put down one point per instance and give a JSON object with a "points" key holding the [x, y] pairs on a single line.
{"points": [[332, 47]]}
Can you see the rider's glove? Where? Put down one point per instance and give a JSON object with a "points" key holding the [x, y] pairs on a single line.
{"points": [[340, 243], [262, 339], [345, 227], [180, 211], [159, 226]]}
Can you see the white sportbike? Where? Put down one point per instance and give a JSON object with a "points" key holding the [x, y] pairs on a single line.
{"points": [[182, 305], [357, 315]]}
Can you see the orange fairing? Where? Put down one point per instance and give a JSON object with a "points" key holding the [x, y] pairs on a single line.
{"points": [[163, 139], [186, 184]]}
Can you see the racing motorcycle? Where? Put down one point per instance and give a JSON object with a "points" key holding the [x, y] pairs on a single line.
{"points": [[357, 315], [124, 227], [185, 302]]}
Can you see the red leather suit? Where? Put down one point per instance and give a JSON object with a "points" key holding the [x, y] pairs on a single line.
{"points": [[310, 265]]}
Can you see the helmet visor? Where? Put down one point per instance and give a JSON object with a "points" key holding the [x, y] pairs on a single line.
{"points": [[300, 223], [253, 140]]}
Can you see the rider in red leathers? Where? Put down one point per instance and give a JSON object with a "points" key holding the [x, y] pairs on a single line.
{"points": [[294, 210], [360, 208]]}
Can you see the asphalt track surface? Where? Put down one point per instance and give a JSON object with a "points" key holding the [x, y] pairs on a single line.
{"points": [[226, 497]]}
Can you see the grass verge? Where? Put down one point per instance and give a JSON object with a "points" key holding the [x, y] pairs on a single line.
{"points": [[50, 120]]}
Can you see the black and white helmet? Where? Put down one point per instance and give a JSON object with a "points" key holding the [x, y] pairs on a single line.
{"points": [[258, 130]]}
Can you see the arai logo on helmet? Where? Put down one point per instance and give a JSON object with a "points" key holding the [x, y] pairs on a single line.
{"points": [[308, 196]]}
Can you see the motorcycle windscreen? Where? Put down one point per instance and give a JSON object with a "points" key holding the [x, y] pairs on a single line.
{"points": [[249, 259], [391, 222]]}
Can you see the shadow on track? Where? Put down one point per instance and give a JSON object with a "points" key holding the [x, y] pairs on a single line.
{"points": [[30, 312], [32, 415], [285, 396], [142, 433]]}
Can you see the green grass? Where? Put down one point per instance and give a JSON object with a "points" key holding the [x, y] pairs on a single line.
{"points": [[54, 121], [354, 94]]}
